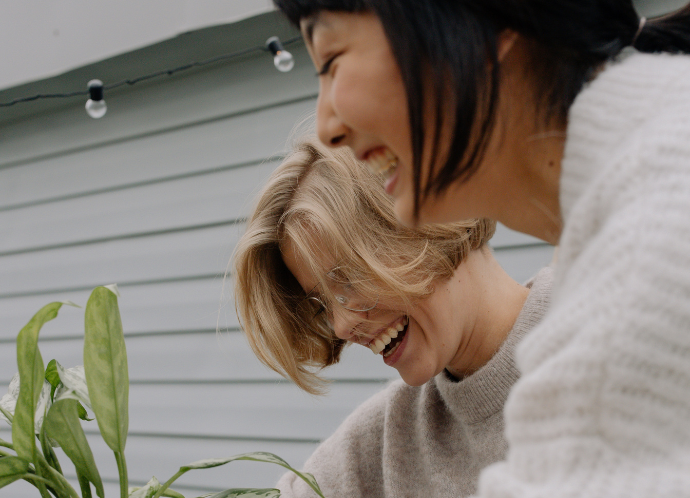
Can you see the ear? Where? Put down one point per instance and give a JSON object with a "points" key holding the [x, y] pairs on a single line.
{"points": [[506, 41]]}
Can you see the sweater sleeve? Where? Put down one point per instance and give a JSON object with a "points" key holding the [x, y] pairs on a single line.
{"points": [[603, 406], [348, 463]]}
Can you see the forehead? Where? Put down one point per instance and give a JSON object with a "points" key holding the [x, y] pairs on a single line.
{"points": [[337, 23]]}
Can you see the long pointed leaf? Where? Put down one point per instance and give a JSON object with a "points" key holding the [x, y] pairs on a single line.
{"points": [[12, 469], [31, 379], [105, 365], [257, 456], [247, 493], [62, 424]]}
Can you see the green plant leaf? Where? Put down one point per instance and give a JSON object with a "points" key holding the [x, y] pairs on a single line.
{"points": [[247, 493], [105, 365], [62, 424], [12, 469], [31, 380], [83, 414], [52, 376], [257, 456]]}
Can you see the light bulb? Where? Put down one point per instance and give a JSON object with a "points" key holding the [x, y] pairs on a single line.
{"points": [[95, 106], [282, 59]]}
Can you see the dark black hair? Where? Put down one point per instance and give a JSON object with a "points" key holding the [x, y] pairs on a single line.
{"points": [[452, 40]]}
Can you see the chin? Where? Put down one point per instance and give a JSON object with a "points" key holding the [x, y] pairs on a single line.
{"points": [[404, 211], [415, 380]]}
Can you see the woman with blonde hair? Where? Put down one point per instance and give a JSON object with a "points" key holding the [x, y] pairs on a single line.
{"points": [[567, 120], [324, 264]]}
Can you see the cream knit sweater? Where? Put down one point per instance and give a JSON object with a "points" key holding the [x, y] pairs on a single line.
{"points": [[429, 441], [603, 405]]}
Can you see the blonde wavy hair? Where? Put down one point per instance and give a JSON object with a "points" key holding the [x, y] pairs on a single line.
{"points": [[324, 198]]}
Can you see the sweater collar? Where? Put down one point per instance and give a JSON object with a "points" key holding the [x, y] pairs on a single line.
{"points": [[605, 115]]}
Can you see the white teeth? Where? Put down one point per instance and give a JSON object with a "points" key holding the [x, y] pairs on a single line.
{"points": [[379, 344], [382, 162]]}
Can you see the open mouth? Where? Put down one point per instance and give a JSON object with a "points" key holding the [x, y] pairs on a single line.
{"points": [[387, 342], [382, 162]]}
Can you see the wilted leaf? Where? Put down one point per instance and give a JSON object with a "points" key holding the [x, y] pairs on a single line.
{"points": [[31, 382], [257, 456], [105, 364], [146, 491], [74, 385], [12, 469], [247, 493], [62, 424], [9, 401]]}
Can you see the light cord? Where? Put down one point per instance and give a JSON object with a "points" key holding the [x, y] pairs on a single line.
{"points": [[134, 81]]}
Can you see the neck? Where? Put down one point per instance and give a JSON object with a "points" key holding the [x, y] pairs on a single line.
{"points": [[531, 150], [498, 302], [537, 187]]}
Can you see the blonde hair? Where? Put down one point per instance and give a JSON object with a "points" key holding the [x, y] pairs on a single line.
{"points": [[325, 197]]}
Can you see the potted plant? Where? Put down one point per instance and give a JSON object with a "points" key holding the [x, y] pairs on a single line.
{"points": [[46, 404]]}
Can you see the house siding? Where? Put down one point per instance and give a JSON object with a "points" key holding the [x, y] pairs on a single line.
{"points": [[154, 197]]}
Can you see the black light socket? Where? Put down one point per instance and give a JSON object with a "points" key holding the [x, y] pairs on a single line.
{"points": [[274, 45], [95, 90]]}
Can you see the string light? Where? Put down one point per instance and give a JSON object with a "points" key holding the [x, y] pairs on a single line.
{"points": [[96, 106], [281, 58]]}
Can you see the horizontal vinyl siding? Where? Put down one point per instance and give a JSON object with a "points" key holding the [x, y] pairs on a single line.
{"points": [[154, 196]]}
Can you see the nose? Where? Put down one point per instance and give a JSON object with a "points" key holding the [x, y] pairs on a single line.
{"points": [[345, 322], [329, 127]]}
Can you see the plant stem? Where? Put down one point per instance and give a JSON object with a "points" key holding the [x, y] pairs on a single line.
{"points": [[63, 482], [34, 477], [6, 444], [59, 480], [167, 483], [7, 415], [122, 471]]}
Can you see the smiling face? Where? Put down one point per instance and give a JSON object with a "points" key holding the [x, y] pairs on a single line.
{"points": [[362, 100], [363, 104], [441, 331]]}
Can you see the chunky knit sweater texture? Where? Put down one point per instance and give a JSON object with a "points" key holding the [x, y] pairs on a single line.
{"points": [[429, 441], [603, 405]]}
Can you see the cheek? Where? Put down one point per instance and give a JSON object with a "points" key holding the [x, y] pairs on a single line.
{"points": [[404, 201]]}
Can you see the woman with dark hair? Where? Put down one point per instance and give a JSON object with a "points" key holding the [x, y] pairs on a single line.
{"points": [[568, 120]]}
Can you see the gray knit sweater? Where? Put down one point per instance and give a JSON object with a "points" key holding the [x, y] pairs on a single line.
{"points": [[424, 441]]}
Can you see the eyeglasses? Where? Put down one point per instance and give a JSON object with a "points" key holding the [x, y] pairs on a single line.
{"points": [[344, 295]]}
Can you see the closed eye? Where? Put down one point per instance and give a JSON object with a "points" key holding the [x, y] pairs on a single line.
{"points": [[326, 67]]}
